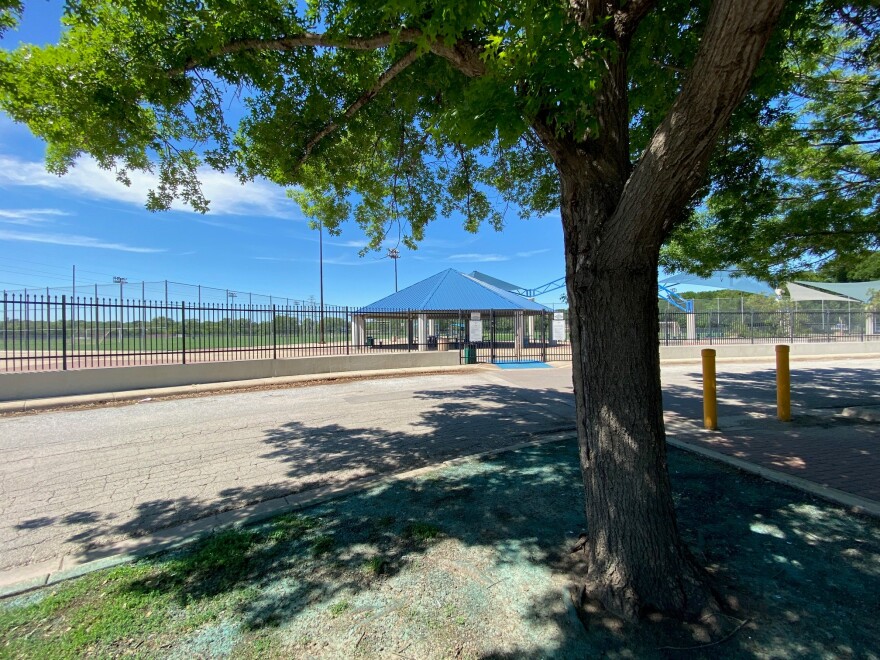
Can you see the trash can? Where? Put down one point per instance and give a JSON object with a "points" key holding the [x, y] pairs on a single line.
{"points": [[369, 342], [442, 343], [470, 354]]}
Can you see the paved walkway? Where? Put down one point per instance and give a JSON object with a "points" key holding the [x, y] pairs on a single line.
{"points": [[819, 444], [74, 483]]}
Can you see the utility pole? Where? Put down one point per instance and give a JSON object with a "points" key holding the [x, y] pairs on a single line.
{"points": [[321, 276], [121, 281], [394, 253]]}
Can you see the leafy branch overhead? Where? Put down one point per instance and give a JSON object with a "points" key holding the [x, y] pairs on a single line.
{"points": [[429, 111], [420, 109], [797, 185]]}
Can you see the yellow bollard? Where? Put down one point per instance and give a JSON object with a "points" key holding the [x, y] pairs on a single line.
{"points": [[710, 401], [783, 384]]}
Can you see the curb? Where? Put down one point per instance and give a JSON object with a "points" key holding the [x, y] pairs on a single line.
{"points": [[854, 503], [21, 580]]}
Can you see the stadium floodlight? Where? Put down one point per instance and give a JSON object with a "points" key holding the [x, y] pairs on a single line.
{"points": [[394, 254]]}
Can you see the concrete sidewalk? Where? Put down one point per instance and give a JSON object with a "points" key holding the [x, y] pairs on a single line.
{"points": [[84, 486]]}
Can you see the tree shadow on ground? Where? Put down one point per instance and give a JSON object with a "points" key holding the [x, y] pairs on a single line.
{"points": [[818, 444], [471, 420], [473, 559], [831, 388]]}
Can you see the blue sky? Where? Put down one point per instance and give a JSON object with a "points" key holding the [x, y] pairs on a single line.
{"points": [[253, 239]]}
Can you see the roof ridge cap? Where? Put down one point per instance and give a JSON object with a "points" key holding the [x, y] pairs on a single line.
{"points": [[440, 281]]}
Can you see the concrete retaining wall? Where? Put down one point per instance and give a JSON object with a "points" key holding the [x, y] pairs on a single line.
{"points": [[36, 385], [45, 384]]}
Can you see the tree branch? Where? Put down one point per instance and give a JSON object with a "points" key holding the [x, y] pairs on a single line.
{"points": [[626, 20], [673, 164], [390, 74], [462, 55], [832, 232], [845, 143]]}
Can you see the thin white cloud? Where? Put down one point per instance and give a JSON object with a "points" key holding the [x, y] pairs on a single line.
{"points": [[531, 253], [477, 257], [344, 261], [29, 217], [349, 244], [72, 240], [284, 259], [226, 193]]}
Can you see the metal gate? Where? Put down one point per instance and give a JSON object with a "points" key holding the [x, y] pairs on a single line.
{"points": [[497, 336]]}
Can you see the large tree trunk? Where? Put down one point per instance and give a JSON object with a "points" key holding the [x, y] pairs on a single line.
{"points": [[636, 560], [615, 218]]}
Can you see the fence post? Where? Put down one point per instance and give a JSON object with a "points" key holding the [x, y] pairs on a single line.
{"points": [[183, 331], [543, 336], [274, 336], [6, 351], [752, 326], [63, 332], [347, 331], [492, 335]]}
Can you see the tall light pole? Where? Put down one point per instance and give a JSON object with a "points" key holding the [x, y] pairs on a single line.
{"points": [[394, 253], [321, 276], [120, 281]]}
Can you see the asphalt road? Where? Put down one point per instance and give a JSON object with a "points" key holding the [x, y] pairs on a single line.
{"points": [[73, 481]]}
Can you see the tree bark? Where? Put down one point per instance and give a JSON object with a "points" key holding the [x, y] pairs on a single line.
{"points": [[614, 222], [636, 560]]}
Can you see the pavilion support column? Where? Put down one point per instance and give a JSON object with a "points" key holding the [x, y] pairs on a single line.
{"points": [[422, 331], [358, 330], [531, 334], [691, 326]]}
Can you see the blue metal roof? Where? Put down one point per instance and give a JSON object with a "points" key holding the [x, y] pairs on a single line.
{"points": [[494, 281], [448, 291]]}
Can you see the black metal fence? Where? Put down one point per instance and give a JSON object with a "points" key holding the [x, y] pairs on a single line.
{"points": [[45, 333], [50, 333], [39, 333], [753, 327]]}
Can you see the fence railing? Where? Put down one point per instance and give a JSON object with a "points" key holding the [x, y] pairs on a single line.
{"points": [[43, 333], [56, 333], [768, 327]]}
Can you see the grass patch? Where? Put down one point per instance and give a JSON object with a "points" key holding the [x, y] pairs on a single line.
{"points": [[322, 545], [339, 608], [376, 565], [806, 571], [292, 526], [421, 531]]}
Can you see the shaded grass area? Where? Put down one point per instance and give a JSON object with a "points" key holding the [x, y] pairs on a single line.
{"points": [[471, 561]]}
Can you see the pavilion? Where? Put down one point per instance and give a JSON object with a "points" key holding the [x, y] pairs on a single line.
{"points": [[445, 310]]}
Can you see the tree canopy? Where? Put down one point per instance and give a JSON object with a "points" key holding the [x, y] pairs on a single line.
{"points": [[175, 85], [798, 178]]}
